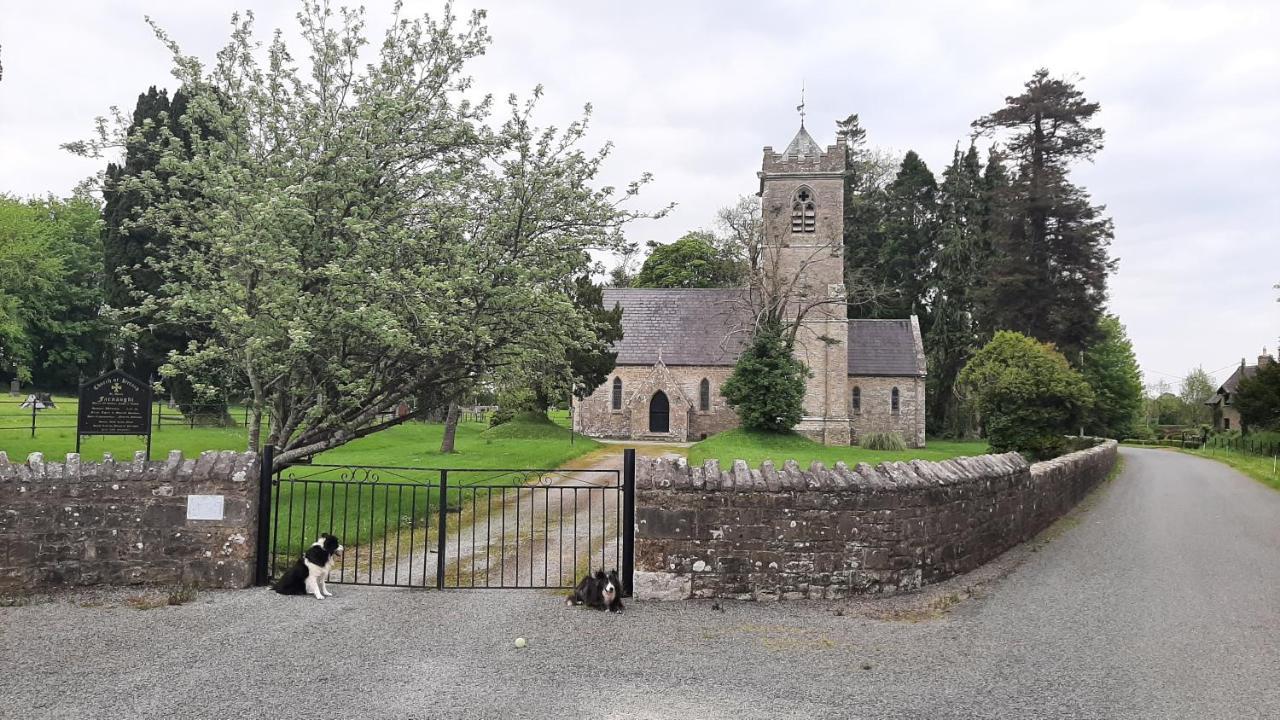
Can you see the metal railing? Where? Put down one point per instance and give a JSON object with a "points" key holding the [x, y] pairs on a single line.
{"points": [[62, 416], [524, 528]]}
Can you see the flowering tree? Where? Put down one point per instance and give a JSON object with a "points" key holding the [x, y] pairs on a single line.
{"points": [[357, 234]]}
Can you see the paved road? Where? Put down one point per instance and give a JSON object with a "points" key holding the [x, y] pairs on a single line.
{"points": [[1159, 599]]}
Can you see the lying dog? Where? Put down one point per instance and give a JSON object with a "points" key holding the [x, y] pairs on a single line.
{"points": [[600, 591], [310, 573]]}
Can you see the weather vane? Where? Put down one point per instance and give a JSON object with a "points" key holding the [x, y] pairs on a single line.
{"points": [[800, 107]]}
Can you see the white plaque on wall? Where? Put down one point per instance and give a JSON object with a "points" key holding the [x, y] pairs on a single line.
{"points": [[204, 507]]}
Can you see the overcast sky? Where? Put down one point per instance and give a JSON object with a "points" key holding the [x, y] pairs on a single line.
{"points": [[691, 92]]}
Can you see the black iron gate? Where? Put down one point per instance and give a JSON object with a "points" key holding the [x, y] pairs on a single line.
{"points": [[450, 527]]}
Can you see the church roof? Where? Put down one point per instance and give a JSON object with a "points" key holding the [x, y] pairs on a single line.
{"points": [[803, 145], [679, 326], [706, 327], [883, 347]]}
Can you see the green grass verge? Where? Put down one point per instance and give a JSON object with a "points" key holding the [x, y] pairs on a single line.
{"points": [[1262, 469], [755, 447]]}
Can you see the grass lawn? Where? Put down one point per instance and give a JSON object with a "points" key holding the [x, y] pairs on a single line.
{"points": [[1262, 469], [527, 442], [756, 446]]}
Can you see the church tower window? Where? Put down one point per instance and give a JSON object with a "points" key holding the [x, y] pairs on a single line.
{"points": [[617, 393], [804, 214]]}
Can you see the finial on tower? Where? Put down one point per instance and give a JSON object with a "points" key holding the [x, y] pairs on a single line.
{"points": [[800, 107]]}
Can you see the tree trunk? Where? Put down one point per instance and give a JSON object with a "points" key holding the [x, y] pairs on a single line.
{"points": [[450, 428], [255, 430]]}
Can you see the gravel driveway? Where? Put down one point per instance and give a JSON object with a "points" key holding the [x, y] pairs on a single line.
{"points": [[1160, 598]]}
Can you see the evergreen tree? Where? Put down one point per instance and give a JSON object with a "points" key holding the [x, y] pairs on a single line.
{"points": [[1258, 399], [1049, 277], [864, 210], [1111, 369], [910, 239], [591, 364], [766, 387], [951, 335], [132, 249]]}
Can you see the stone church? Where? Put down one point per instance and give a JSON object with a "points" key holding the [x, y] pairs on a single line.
{"points": [[680, 345]]}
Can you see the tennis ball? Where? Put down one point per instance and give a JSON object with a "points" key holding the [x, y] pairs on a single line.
{"points": [[521, 642]]}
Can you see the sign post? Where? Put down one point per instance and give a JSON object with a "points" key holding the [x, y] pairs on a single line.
{"points": [[114, 404]]}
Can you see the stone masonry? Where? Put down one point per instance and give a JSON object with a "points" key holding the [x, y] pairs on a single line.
{"points": [[791, 533], [84, 523]]}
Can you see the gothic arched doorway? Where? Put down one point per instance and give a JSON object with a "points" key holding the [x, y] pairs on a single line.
{"points": [[659, 413]]}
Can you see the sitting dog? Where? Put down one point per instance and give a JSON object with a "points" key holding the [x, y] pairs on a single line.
{"points": [[600, 591], [310, 573]]}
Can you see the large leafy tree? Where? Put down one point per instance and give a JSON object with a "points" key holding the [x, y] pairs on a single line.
{"points": [[50, 289], [353, 233], [693, 261], [1111, 369], [1196, 389], [1049, 275], [1258, 398], [1027, 393], [766, 387]]}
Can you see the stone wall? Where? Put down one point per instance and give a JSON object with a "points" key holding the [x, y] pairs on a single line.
{"points": [[594, 415], [85, 523], [876, 414], [789, 533]]}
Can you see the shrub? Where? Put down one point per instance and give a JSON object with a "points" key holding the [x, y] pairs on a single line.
{"points": [[183, 595], [767, 385], [882, 441], [1028, 395], [500, 416]]}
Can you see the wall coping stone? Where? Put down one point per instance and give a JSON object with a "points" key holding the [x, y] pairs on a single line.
{"points": [[210, 465]]}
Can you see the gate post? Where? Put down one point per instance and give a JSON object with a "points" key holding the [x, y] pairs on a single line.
{"points": [[442, 528], [262, 573], [628, 519]]}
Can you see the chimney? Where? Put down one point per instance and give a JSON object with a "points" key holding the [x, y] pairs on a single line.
{"points": [[1264, 359]]}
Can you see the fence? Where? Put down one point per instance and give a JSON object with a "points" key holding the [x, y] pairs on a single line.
{"points": [[61, 415], [447, 528]]}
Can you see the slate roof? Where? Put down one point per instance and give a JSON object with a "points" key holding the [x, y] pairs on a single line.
{"points": [[803, 145], [696, 327], [1229, 387], [883, 347], [680, 326]]}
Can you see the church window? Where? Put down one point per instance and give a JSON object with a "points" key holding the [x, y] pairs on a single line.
{"points": [[617, 393], [857, 400], [804, 215], [893, 400], [704, 395]]}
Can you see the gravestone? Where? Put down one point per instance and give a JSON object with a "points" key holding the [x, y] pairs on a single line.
{"points": [[15, 388]]}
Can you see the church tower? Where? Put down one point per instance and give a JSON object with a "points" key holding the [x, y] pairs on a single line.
{"points": [[802, 200]]}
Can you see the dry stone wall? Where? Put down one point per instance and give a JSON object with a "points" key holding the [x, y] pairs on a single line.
{"points": [[122, 523], [790, 533]]}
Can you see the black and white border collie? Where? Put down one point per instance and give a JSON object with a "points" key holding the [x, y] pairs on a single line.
{"points": [[310, 573], [600, 591]]}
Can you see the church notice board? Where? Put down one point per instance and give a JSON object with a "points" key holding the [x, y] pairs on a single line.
{"points": [[114, 404]]}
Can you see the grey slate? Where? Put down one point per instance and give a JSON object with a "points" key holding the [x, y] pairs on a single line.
{"points": [[710, 327], [883, 347]]}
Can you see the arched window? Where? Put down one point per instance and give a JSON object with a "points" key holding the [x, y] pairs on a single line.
{"points": [[804, 214], [704, 395], [857, 400], [617, 393], [893, 400]]}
